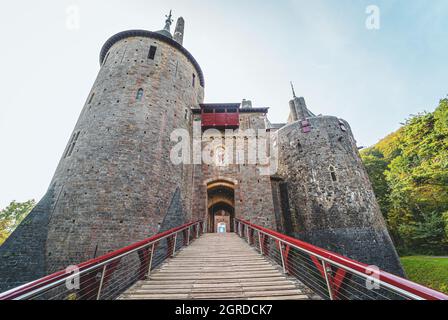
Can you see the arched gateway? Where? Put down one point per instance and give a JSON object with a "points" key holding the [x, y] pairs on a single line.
{"points": [[220, 205]]}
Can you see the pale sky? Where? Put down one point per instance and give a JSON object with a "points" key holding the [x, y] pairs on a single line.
{"points": [[247, 49]]}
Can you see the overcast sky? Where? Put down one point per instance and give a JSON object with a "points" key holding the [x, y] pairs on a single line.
{"points": [[247, 49]]}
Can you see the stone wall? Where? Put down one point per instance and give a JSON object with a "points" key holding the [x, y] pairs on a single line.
{"points": [[23, 253], [115, 183], [115, 180], [331, 200], [253, 197]]}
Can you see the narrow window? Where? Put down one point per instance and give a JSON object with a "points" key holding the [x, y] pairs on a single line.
{"points": [[91, 97], [333, 174], [342, 126], [69, 146], [194, 79], [139, 94], [72, 144], [152, 52]]}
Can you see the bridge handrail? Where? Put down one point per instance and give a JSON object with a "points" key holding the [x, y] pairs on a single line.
{"points": [[44, 284], [398, 284]]}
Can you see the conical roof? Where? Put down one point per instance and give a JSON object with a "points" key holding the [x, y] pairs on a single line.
{"points": [[165, 33]]}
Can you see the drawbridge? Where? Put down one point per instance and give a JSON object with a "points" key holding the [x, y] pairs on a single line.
{"points": [[253, 263]]}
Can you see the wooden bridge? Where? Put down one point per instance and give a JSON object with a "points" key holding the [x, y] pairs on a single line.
{"points": [[218, 266], [252, 263]]}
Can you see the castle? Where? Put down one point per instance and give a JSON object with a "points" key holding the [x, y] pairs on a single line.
{"points": [[117, 183]]}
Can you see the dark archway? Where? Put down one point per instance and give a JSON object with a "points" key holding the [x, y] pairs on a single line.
{"points": [[220, 205]]}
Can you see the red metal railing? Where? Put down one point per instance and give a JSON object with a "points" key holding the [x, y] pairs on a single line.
{"points": [[109, 276], [330, 275]]}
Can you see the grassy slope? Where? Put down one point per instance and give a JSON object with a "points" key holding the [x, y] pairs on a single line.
{"points": [[428, 271]]}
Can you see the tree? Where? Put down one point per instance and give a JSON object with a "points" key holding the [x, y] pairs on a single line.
{"points": [[376, 166], [12, 216], [427, 235], [409, 173]]}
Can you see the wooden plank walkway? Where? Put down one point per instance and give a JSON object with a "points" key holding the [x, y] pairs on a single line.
{"points": [[218, 266]]}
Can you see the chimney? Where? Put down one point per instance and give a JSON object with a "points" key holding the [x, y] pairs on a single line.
{"points": [[293, 114], [301, 108], [246, 104], [179, 32]]}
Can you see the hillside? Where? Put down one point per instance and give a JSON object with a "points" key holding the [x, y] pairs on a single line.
{"points": [[409, 173]]}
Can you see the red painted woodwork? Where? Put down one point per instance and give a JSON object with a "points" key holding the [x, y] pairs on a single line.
{"points": [[220, 118]]}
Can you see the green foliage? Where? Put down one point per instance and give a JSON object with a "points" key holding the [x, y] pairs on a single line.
{"points": [[428, 271], [412, 190], [428, 235], [12, 216], [376, 165], [445, 219]]}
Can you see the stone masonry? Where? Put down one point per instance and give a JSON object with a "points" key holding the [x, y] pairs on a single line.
{"points": [[330, 200], [116, 184], [115, 180]]}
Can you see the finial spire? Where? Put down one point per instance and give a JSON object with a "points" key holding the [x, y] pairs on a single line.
{"points": [[293, 91], [168, 21]]}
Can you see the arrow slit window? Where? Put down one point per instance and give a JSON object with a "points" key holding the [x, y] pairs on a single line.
{"points": [[333, 174], [139, 94], [152, 52], [72, 144]]}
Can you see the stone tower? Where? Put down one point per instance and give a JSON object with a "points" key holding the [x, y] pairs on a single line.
{"points": [[327, 194], [115, 183]]}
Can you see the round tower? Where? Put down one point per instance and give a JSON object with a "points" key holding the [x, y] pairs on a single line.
{"points": [[331, 200], [116, 175], [115, 183]]}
